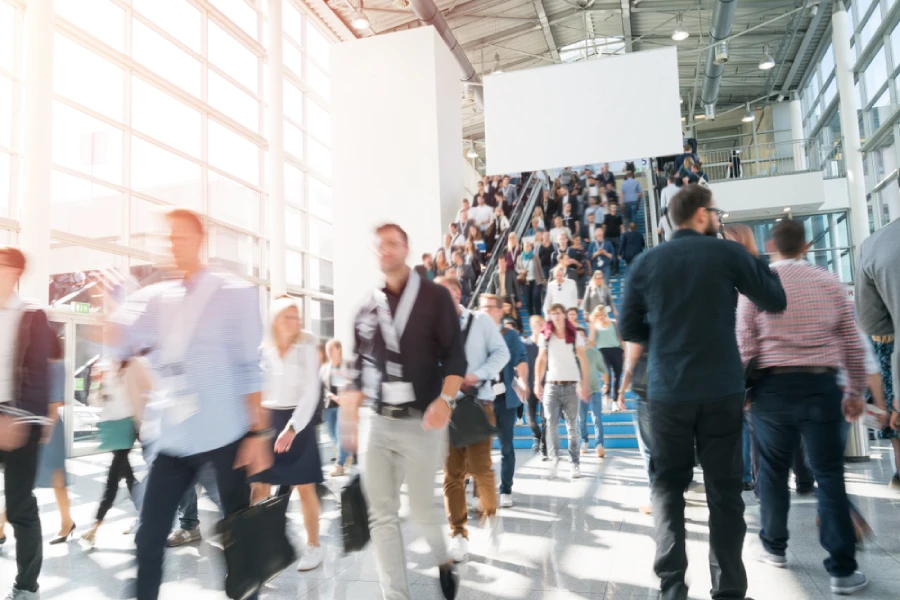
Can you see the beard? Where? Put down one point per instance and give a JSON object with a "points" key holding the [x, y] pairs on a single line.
{"points": [[711, 229]]}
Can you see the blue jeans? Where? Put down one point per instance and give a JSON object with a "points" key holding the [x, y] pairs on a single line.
{"points": [[786, 407], [748, 465], [595, 406], [330, 418], [506, 422], [188, 513], [642, 425], [630, 211]]}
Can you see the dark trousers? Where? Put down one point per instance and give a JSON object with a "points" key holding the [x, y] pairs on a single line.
{"points": [[537, 429], [614, 358], [22, 510], [715, 429], [533, 297], [803, 477], [169, 479], [119, 469], [786, 407], [506, 423], [616, 242]]}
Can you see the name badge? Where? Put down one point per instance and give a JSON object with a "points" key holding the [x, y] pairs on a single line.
{"points": [[499, 388], [397, 392]]}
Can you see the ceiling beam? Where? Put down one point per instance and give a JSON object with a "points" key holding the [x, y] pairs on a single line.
{"points": [[518, 30], [545, 27], [626, 24], [801, 52]]}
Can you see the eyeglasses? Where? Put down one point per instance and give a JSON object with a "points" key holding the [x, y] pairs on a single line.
{"points": [[719, 212]]}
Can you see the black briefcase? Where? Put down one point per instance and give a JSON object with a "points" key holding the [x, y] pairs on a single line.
{"points": [[354, 517], [256, 546], [469, 423]]}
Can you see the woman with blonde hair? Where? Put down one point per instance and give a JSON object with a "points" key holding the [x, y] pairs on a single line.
{"points": [[334, 378], [604, 336], [291, 368], [597, 294], [441, 264], [472, 256]]}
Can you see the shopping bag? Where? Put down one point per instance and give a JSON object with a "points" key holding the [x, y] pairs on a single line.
{"points": [[469, 423], [256, 546], [354, 517]]}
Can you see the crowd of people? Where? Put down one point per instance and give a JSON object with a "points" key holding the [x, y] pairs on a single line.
{"points": [[219, 400]]}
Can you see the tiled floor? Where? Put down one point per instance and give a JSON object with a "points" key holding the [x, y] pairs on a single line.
{"points": [[563, 541]]}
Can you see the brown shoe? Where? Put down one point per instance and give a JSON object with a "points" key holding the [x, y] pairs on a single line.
{"points": [[646, 509], [600, 451], [337, 472]]}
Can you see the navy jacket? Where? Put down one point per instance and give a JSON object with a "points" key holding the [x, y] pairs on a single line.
{"points": [[31, 375], [680, 300], [632, 245], [517, 356]]}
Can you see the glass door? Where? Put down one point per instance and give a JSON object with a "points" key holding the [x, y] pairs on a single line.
{"points": [[82, 340]]}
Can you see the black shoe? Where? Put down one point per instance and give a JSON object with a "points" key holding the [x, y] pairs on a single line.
{"points": [[2, 540], [806, 490], [749, 486], [449, 581], [63, 538]]}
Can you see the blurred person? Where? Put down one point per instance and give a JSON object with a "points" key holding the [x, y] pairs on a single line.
{"points": [[572, 316], [558, 231], [479, 241], [597, 295], [446, 247], [680, 301], [798, 355], [506, 284], [632, 244], [465, 209], [123, 392], [636, 364], [441, 264], [480, 189], [473, 257], [457, 236], [666, 229], [682, 158], [612, 224], [877, 298], [602, 253], [205, 332], [513, 250], [465, 274], [335, 377], [565, 255], [28, 346], [291, 371], [697, 173], [410, 364], [734, 166], [685, 174], [612, 196], [509, 190], [598, 378], [604, 336], [560, 290], [486, 354], [537, 323], [605, 178], [582, 266], [551, 208], [545, 250], [464, 223], [482, 213], [426, 269], [562, 359], [567, 177], [510, 387], [534, 233], [588, 230], [632, 193], [529, 263], [570, 220]]}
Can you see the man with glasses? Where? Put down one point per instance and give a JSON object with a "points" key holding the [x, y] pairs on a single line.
{"points": [[680, 302], [410, 364]]}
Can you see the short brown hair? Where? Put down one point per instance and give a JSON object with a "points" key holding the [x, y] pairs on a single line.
{"points": [[491, 297], [685, 204], [188, 216], [12, 257], [789, 237], [381, 229], [557, 307], [449, 281]]}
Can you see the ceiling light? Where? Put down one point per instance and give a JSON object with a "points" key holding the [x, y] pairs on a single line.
{"points": [[780, 98], [814, 10], [767, 62], [472, 153], [680, 32], [748, 115], [724, 215], [778, 219], [497, 69], [359, 21], [710, 110], [680, 99], [787, 209]]}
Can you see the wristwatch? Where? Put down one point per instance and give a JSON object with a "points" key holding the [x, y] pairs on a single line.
{"points": [[451, 402]]}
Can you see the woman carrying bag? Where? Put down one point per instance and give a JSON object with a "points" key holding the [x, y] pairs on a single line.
{"points": [[122, 391], [291, 366], [597, 295]]}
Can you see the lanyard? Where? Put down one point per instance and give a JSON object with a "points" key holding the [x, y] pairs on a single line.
{"points": [[393, 326]]}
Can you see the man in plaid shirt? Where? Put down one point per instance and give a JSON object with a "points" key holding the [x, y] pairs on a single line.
{"points": [[798, 355]]}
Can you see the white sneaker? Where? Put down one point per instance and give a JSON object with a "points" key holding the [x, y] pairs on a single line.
{"points": [[554, 469], [458, 549], [576, 472], [311, 558], [493, 530], [475, 505], [506, 501]]}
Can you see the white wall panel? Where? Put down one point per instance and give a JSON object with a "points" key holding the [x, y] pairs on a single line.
{"points": [[615, 108]]}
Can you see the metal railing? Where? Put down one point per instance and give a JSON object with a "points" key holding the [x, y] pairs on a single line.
{"points": [[767, 160]]}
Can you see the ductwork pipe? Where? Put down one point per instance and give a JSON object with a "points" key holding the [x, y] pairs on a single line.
{"points": [[720, 29], [428, 13]]}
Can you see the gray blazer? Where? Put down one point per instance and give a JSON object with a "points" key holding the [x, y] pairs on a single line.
{"points": [[878, 287]]}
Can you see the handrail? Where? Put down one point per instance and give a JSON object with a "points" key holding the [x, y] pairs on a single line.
{"points": [[517, 223]]}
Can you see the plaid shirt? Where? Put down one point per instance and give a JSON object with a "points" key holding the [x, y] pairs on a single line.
{"points": [[816, 330]]}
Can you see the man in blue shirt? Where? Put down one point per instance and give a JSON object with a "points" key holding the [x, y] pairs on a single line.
{"points": [[514, 382], [204, 332], [631, 195], [602, 253], [680, 301]]}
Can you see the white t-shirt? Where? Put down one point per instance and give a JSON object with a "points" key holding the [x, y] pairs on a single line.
{"points": [[565, 293], [482, 216], [561, 362], [558, 231]]}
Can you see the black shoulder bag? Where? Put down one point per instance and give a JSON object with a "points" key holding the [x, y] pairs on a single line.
{"points": [[469, 423]]}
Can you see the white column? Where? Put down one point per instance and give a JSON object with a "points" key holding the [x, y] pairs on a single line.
{"points": [[34, 237], [275, 157], [797, 141], [397, 144], [843, 58]]}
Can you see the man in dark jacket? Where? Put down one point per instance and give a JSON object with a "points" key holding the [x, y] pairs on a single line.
{"points": [[680, 302], [632, 243], [24, 399]]}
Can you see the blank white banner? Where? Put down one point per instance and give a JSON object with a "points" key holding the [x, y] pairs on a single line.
{"points": [[599, 110]]}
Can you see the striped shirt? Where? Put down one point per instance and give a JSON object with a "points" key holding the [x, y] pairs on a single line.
{"points": [[816, 330]]}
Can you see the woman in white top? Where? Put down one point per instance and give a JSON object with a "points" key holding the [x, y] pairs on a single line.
{"points": [[291, 366]]}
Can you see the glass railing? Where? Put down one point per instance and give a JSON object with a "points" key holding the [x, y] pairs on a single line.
{"points": [[769, 160]]}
